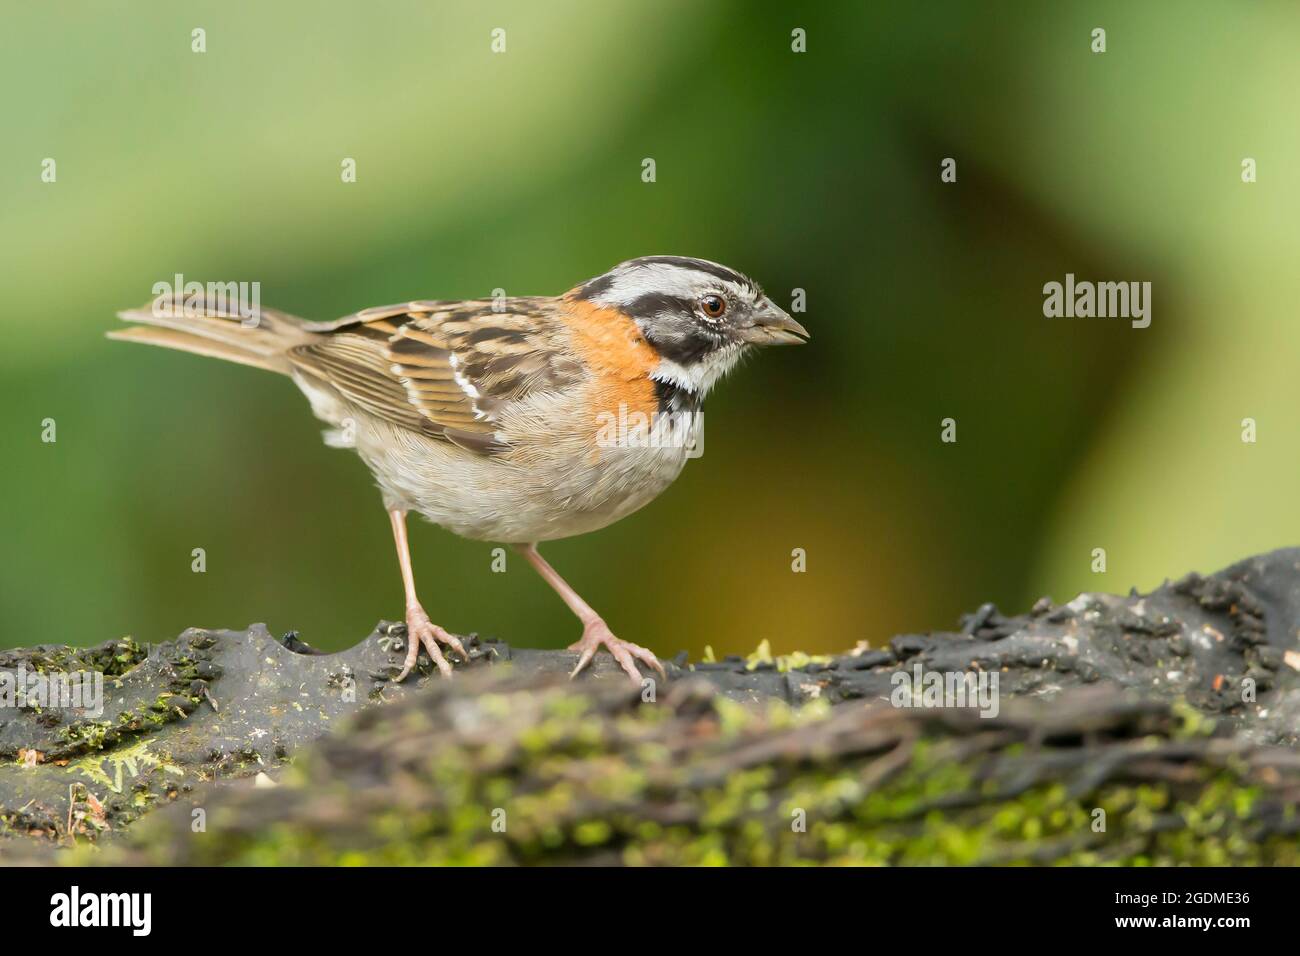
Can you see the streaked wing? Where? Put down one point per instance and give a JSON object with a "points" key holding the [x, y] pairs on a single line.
{"points": [[445, 369]]}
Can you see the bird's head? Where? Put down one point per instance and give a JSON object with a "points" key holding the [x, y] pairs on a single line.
{"points": [[699, 316]]}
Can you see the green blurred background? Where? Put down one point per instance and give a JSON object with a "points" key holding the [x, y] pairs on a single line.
{"points": [[522, 171]]}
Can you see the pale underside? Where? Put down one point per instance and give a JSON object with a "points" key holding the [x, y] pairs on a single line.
{"points": [[478, 420]]}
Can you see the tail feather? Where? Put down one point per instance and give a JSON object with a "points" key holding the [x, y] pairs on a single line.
{"points": [[216, 332], [185, 342]]}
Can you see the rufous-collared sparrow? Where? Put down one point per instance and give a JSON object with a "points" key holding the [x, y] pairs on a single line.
{"points": [[515, 420]]}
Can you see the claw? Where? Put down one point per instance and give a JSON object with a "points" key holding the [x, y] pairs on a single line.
{"points": [[421, 632], [596, 634]]}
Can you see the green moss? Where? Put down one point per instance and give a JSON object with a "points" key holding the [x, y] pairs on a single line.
{"points": [[561, 780], [783, 662]]}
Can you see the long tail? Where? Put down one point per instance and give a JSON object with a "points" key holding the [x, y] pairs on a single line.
{"points": [[212, 329]]}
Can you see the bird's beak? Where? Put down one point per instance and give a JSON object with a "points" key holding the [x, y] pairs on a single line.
{"points": [[773, 326]]}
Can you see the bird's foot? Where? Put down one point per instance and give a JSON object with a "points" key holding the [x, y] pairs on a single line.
{"points": [[597, 633], [420, 631]]}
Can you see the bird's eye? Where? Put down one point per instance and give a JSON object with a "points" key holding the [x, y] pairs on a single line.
{"points": [[713, 305]]}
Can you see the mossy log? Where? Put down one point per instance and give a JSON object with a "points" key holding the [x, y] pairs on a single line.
{"points": [[727, 762], [517, 771]]}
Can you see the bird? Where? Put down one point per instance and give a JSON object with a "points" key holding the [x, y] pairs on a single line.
{"points": [[516, 420]]}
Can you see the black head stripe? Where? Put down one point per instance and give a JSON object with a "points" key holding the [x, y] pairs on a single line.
{"points": [[684, 350], [599, 286], [684, 342], [596, 287], [696, 265], [653, 303]]}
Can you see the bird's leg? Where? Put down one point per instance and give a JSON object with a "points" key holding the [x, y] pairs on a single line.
{"points": [[595, 631], [419, 629]]}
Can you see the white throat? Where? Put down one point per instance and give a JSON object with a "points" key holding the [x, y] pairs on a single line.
{"points": [[701, 376]]}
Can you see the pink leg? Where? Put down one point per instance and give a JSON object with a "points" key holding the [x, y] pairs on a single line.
{"points": [[595, 631], [419, 629]]}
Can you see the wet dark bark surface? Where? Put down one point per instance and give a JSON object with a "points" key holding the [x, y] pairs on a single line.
{"points": [[1086, 684]]}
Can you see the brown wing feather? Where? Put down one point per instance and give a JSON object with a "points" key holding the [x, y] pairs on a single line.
{"points": [[443, 368]]}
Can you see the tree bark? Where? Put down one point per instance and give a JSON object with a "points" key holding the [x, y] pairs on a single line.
{"points": [[1154, 727]]}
